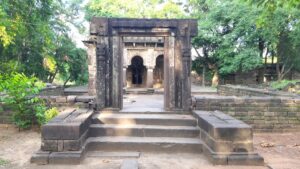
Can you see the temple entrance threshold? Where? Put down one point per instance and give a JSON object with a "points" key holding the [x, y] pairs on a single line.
{"points": [[143, 103]]}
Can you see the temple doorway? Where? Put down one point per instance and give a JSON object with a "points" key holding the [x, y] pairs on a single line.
{"points": [[136, 72], [158, 72]]}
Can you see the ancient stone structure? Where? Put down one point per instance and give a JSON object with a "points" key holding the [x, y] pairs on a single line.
{"points": [[111, 39], [262, 113], [233, 90], [101, 126], [143, 62]]}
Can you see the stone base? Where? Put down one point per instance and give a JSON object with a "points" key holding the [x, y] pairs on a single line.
{"points": [[66, 157], [227, 141], [252, 159]]}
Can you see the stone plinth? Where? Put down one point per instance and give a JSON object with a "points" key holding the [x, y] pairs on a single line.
{"points": [[63, 138], [227, 141]]}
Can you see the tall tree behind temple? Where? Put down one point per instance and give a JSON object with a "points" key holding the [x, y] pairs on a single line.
{"points": [[228, 36], [280, 20], [135, 9], [236, 37], [30, 34]]}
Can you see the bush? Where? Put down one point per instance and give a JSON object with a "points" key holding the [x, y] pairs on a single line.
{"points": [[51, 113], [20, 93], [279, 85]]}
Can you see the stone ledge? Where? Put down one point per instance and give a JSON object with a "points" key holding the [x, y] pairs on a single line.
{"points": [[67, 157], [235, 90], [69, 125], [64, 138], [227, 141], [252, 159]]}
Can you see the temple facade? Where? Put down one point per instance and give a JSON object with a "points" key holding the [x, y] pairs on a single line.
{"points": [[143, 65]]}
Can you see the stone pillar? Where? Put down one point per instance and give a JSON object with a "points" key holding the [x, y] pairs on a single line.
{"points": [[92, 68], [117, 75], [100, 82], [124, 77], [150, 77], [186, 69], [169, 78]]}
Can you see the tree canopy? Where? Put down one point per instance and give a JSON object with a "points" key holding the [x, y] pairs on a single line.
{"points": [[234, 35], [135, 9], [31, 34]]}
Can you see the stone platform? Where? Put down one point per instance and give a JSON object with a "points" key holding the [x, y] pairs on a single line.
{"points": [[74, 134]]}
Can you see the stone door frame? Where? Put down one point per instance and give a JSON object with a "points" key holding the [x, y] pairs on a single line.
{"points": [[105, 52]]}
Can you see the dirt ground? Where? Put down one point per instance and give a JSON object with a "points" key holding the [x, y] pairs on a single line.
{"points": [[280, 150]]}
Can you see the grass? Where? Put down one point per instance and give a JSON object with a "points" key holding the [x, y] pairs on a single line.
{"points": [[279, 85], [3, 162]]}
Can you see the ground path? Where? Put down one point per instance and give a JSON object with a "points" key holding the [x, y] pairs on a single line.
{"points": [[17, 147]]}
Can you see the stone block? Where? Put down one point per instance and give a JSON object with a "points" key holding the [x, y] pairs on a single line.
{"points": [[72, 145], [269, 114], [49, 145], [238, 133], [61, 99], [40, 158], [84, 99], [246, 159], [60, 145], [292, 114], [61, 131], [68, 126], [70, 157], [75, 145], [71, 99]]}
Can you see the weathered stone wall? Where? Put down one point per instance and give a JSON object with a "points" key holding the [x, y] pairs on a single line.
{"points": [[77, 101], [233, 90], [52, 91], [263, 113]]}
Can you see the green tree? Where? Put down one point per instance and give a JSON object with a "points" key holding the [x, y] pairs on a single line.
{"points": [[281, 24], [32, 31], [228, 37], [135, 9]]}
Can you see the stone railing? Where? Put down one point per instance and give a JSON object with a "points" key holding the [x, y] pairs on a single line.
{"points": [[233, 90], [262, 113]]}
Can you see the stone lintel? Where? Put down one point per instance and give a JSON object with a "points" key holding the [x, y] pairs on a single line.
{"points": [[103, 26]]}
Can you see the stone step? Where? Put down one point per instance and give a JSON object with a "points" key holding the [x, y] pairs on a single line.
{"points": [[141, 110], [145, 144], [97, 130], [145, 119]]}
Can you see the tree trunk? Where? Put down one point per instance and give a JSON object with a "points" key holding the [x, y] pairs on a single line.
{"points": [[203, 76], [67, 81], [215, 79], [279, 77]]}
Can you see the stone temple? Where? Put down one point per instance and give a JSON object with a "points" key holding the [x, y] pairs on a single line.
{"points": [[143, 53]]}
